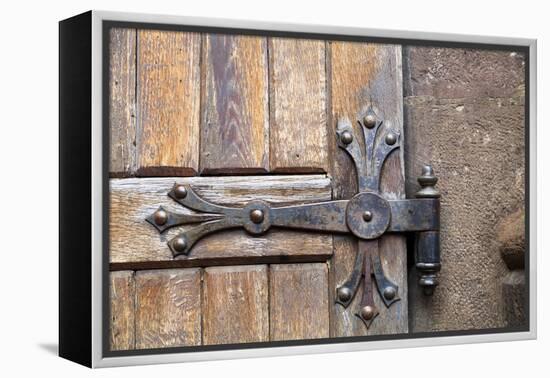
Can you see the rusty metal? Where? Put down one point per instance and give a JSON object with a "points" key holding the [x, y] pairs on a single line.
{"points": [[380, 219], [179, 191], [367, 215], [368, 310], [257, 216], [160, 217], [346, 292], [391, 138], [369, 120], [427, 182]]}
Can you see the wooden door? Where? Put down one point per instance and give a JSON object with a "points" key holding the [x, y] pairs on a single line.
{"points": [[240, 118]]}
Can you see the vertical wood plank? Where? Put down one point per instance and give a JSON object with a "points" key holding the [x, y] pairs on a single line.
{"points": [[168, 103], [122, 101], [297, 102], [393, 254], [299, 306], [235, 116], [235, 307], [168, 308], [363, 75], [122, 288]]}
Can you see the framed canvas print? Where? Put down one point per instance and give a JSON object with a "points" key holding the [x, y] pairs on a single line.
{"points": [[232, 189]]}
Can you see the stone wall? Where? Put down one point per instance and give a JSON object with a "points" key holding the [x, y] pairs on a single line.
{"points": [[464, 114]]}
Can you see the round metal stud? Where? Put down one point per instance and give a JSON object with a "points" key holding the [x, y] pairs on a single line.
{"points": [[391, 138], [369, 121], [367, 216], [180, 191], [344, 294], [346, 137], [367, 312], [160, 217], [257, 216], [389, 293], [179, 244]]}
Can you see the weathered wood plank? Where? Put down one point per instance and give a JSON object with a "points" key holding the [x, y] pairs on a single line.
{"points": [[235, 116], [122, 289], [393, 254], [168, 308], [298, 131], [366, 75], [122, 101], [168, 98], [132, 239], [298, 301], [235, 307]]}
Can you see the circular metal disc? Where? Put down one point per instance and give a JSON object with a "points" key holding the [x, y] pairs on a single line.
{"points": [[253, 223], [379, 222]]}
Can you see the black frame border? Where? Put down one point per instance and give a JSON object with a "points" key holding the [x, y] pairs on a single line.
{"points": [[75, 189]]}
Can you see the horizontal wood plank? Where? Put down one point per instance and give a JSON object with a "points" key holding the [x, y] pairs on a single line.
{"points": [[133, 240]]}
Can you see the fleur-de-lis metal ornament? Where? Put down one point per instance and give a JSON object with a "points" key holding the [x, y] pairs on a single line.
{"points": [[367, 215]]}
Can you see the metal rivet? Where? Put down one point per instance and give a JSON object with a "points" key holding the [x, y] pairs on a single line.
{"points": [[391, 138], [179, 244], [346, 137], [369, 121], [257, 216], [160, 217], [389, 293], [180, 191], [344, 294], [367, 312], [367, 216]]}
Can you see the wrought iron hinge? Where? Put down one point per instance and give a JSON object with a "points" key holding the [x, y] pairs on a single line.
{"points": [[367, 215]]}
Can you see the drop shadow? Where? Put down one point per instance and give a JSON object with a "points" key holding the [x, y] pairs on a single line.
{"points": [[51, 348]]}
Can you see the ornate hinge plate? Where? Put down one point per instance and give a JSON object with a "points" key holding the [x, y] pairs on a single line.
{"points": [[367, 216]]}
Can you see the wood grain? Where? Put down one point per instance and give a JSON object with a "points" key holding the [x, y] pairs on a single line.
{"points": [[235, 307], [298, 130], [366, 75], [298, 301], [122, 289], [168, 98], [132, 239], [168, 308], [122, 101], [235, 116]]}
